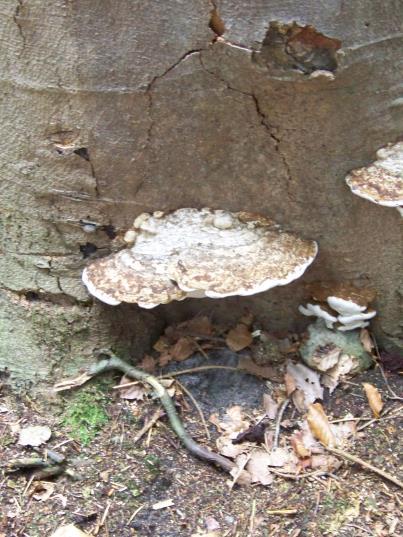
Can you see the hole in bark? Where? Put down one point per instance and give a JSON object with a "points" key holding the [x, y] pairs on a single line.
{"points": [[216, 23], [303, 48], [82, 152], [109, 230], [88, 249], [31, 296]]}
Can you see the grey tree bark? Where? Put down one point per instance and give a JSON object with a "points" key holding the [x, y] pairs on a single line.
{"points": [[109, 109]]}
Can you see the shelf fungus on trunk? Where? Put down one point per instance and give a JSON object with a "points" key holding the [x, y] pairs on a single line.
{"points": [[340, 305], [382, 181], [198, 253]]}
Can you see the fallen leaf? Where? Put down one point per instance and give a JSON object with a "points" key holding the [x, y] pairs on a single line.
{"points": [[42, 490], [68, 384], [34, 436], [320, 426], [374, 398], [162, 344], [297, 443], [198, 326], [211, 523], [183, 348], [69, 531], [307, 383], [136, 392], [239, 338], [265, 372], [163, 504], [366, 340], [258, 467], [228, 449], [270, 406], [325, 462]]}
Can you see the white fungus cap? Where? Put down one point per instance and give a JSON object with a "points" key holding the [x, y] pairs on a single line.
{"points": [[340, 303], [196, 253], [317, 311], [382, 181]]}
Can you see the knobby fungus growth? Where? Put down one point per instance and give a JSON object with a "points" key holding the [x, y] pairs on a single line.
{"points": [[382, 181]]}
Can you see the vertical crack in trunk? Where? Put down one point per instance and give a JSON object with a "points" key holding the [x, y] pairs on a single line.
{"points": [[16, 19], [264, 122]]}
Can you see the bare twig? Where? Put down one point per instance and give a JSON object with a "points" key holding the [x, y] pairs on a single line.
{"points": [[387, 414], [352, 458], [278, 422], [281, 511], [394, 394], [150, 423], [114, 362], [197, 407]]}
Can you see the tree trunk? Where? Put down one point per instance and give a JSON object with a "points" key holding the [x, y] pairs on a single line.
{"points": [[110, 109]]}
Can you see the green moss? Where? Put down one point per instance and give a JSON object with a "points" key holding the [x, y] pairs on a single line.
{"points": [[85, 414]]}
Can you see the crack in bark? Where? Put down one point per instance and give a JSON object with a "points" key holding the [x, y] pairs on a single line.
{"points": [[16, 19], [264, 122], [149, 93], [94, 176]]}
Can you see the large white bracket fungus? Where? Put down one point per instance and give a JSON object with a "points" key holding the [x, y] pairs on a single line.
{"points": [[342, 305], [382, 181], [198, 253]]}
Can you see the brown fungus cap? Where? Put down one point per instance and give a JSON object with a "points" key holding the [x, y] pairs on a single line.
{"points": [[382, 181], [199, 253]]}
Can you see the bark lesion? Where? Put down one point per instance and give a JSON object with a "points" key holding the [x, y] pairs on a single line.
{"points": [[17, 20]]}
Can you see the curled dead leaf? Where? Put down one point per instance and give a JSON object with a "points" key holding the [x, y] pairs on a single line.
{"points": [[320, 426], [374, 398]]}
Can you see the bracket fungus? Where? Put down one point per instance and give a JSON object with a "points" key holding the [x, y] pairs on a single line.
{"points": [[198, 253], [340, 305], [382, 181]]}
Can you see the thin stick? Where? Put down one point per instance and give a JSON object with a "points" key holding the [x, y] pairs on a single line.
{"points": [[281, 511], [394, 394], [113, 362], [197, 407], [384, 416], [252, 519], [278, 422], [135, 513], [364, 464], [181, 372], [150, 423], [200, 349], [103, 518]]}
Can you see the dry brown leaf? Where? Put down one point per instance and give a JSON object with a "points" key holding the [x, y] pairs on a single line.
{"points": [[258, 467], [68, 384], [162, 344], [199, 326], [42, 490], [374, 398], [325, 462], [366, 340], [297, 443], [265, 372], [270, 406], [136, 392], [183, 348], [239, 338], [319, 425], [307, 383], [228, 449]]}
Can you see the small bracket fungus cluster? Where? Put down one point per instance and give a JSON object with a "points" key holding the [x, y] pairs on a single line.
{"points": [[382, 181], [198, 253], [341, 306]]}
